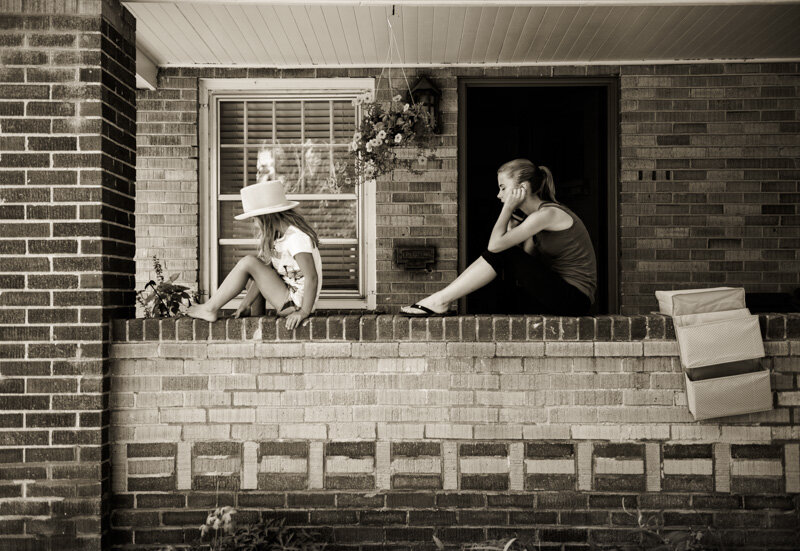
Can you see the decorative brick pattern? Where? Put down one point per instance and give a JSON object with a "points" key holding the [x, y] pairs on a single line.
{"points": [[550, 466], [619, 467], [757, 468], [416, 465], [689, 468], [471, 511], [151, 467], [216, 465], [283, 466], [350, 465], [484, 466]]}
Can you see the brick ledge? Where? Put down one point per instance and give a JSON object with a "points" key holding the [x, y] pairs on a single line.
{"points": [[386, 327]]}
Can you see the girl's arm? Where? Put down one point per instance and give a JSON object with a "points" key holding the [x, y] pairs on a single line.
{"points": [[502, 238], [306, 263], [249, 298], [528, 245], [252, 293]]}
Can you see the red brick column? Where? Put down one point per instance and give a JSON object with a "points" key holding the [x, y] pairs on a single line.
{"points": [[67, 169]]}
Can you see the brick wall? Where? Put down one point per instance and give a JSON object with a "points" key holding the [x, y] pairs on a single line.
{"points": [[716, 204], [380, 430], [166, 179], [718, 147], [67, 162]]}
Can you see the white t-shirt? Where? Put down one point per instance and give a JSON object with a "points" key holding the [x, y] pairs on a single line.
{"points": [[292, 242]]}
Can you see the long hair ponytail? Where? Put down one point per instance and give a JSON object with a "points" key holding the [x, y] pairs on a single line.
{"points": [[269, 226], [540, 177], [547, 187]]}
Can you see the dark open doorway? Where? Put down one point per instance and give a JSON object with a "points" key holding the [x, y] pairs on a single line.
{"points": [[567, 125]]}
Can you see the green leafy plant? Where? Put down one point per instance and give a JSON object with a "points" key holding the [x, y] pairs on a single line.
{"points": [[655, 538], [385, 127], [162, 297], [512, 544], [219, 533]]}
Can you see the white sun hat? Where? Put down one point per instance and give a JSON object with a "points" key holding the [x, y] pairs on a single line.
{"points": [[264, 198]]}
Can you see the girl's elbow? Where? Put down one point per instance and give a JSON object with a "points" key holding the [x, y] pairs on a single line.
{"points": [[493, 247]]}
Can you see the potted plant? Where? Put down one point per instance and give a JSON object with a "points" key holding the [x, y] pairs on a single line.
{"points": [[162, 297], [385, 127]]}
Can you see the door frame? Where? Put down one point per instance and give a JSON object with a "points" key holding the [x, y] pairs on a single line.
{"points": [[612, 162]]}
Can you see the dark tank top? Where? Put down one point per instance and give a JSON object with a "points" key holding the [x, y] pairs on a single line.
{"points": [[569, 253]]}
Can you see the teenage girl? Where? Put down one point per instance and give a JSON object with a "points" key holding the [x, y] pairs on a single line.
{"points": [[544, 256], [287, 271]]}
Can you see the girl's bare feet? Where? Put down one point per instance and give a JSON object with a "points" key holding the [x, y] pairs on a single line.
{"points": [[200, 311]]}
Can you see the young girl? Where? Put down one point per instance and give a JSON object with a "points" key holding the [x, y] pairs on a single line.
{"points": [[287, 271], [545, 257]]}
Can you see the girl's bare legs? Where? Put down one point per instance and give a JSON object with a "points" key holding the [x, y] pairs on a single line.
{"points": [[477, 274], [269, 283], [257, 307]]}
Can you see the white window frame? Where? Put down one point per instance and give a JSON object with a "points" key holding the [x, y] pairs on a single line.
{"points": [[210, 91]]}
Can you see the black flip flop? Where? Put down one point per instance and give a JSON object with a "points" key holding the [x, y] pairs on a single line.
{"points": [[426, 312]]}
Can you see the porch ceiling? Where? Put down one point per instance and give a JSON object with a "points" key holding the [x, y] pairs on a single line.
{"points": [[330, 33]]}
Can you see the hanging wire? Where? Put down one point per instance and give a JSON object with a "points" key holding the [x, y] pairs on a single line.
{"points": [[400, 58], [389, 59], [386, 63]]}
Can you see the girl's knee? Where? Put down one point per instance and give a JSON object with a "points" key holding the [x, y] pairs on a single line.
{"points": [[248, 261]]}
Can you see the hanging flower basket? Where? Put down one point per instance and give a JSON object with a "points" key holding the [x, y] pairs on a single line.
{"points": [[384, 128]]}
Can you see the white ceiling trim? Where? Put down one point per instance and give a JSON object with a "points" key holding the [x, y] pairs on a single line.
{"points": [[473, 3], [498, 65], [292, 34]]}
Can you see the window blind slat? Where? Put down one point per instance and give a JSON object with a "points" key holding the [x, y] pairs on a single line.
{"points": [[231, 170], [317, 120], [335, 219], [231, 122], [339, 267], [259, 122], [229, 227], [344, 116], [288, 118], [330, 219]]}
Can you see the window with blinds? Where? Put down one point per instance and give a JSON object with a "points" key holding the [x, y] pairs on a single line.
{"points": [[307, 137]]}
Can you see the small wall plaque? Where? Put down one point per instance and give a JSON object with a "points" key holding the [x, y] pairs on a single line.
{"points": [[415, 258]]}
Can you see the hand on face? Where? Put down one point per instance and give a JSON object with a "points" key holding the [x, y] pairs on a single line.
{"points": [[512, 194], [514, 198]]}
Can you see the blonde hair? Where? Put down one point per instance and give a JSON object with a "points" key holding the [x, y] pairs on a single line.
{"points": [[269, 226], [540, 177]]}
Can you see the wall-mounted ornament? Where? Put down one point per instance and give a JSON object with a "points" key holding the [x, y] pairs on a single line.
{"points": [[415, 258], [428, 95]]}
